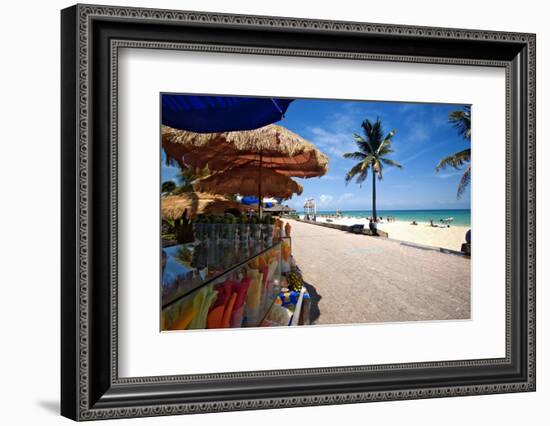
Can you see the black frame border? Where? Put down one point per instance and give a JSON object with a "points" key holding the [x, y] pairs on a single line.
{"points": [[90, 38]]}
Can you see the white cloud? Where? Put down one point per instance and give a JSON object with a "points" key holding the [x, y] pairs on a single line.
{"points": [[336, 137], [418, 133], [412, 157], [325, 199], [334, 142]]}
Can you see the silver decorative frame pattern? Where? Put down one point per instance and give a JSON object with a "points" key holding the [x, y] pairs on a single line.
{"points": [[88, 408]]}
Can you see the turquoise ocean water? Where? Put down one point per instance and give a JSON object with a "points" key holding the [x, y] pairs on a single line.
{"points": [[461, 217]]}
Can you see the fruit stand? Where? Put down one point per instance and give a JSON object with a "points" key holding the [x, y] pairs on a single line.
{"points": [[232, 277]]}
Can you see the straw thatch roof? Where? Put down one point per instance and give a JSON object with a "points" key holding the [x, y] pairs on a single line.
{"points": [[195, 203], [281, 150], [247, 181]]}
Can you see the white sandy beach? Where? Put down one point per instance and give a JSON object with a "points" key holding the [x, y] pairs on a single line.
{"points": [[450, 238]]}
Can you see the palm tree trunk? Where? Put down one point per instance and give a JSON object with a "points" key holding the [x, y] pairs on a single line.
{"points": [[373, 195]]}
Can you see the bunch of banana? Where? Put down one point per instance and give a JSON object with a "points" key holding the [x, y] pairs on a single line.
{"points": [[295, 281]]}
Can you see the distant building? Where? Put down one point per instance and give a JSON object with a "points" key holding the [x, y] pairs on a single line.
{"points": [[278, 210]]}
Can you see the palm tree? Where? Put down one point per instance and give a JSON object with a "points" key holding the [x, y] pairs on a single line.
{"points": [[461, 120], [373, 149]]}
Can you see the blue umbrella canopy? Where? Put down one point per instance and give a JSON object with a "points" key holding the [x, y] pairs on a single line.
{"points": [[210, 114], [249, 200]]}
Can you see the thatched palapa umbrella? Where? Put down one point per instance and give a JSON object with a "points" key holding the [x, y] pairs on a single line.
{"points": [[272, 147], [245, 180], [195, 203]]}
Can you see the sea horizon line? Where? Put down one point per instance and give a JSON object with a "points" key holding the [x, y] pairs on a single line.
{"points": [[381, 210]]}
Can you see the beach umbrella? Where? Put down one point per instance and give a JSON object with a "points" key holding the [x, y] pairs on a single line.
{"points": [[195, 203], [205, 114], [249, 181], [270, 147], [253, 200], [249, 200]]}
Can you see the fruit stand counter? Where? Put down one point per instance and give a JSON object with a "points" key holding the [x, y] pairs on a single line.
{"points": [[219, 285]]}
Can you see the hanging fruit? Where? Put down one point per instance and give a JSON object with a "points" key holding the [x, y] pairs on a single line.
{"points": [[295, 281], [288, 227]]}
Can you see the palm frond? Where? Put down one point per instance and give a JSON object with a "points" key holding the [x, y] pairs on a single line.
{"points": [[367, 126], [358, 138], [461, 120], [464, 182], [377, 130], [456, 160], [385, 144], [385, 152], [389, 162], [363, 144], [373, 132], [359, 171], [387, 140], [385, 148], [359, 156], [368, 161], [354, 171], [362, 177], [377, 166]]}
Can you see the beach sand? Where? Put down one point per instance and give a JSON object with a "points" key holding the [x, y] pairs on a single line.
{"points": [[424, 234], [449, 238], [355, 278]]}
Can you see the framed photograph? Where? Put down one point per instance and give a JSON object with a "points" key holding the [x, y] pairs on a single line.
{"points": [[263, 212]]}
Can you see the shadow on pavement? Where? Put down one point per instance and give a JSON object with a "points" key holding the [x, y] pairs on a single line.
{"points": [[314, 311]]}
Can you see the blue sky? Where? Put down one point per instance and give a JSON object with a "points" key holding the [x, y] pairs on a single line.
{"points": [[423, 137], [169, 172]]}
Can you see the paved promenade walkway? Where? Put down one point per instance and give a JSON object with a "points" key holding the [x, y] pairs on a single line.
{"points": [[359, 279]]}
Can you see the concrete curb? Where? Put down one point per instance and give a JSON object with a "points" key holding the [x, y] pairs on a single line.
{"points": [[424, 247], [343, 228]]}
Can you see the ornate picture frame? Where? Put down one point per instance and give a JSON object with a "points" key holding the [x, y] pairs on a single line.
{"points": [[91, 37]]}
